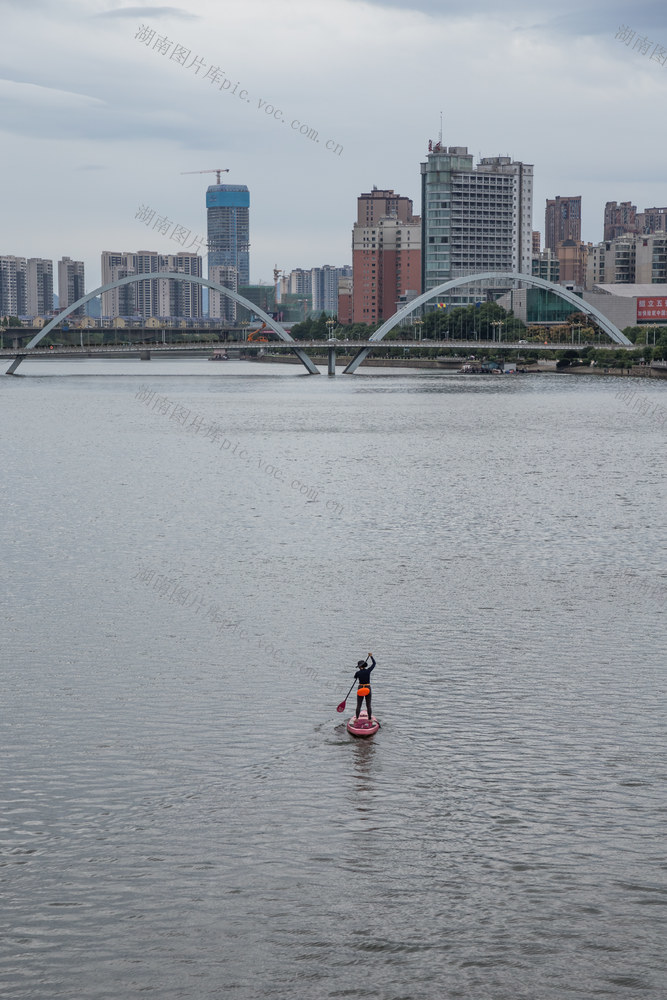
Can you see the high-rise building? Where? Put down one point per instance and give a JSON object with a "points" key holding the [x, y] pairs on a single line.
{"points": [[221, 306], [619, 219], [299, 282], [572, 256], [39, 281], [545, 265], [536, 242], [612, 262], [474, 218], [623, 219], [324, 284], [345, 312], [562, 221], [119, 301], [228, 221], [185, 296], [295, 294], [296, 283], [652, 220], [13, 287], [386, 254], [263, 296], [651, 258], [382, 204], [310, 290], [160, 297], [71, 284], [634, 258]]}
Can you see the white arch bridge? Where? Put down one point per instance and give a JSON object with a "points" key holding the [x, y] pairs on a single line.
{"points": [[602, 321], [172, 276], [516, 276]]}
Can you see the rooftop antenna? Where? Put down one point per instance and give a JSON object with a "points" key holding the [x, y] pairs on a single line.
{"points": [[440, 135]]}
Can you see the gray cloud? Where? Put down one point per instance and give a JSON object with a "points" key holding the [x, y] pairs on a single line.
{"points": [[149, 12], [106, 125], [35, 112], [529, 88], [597, 17]]}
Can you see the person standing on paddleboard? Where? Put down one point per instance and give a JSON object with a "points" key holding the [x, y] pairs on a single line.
{"points": [[363, 675]]}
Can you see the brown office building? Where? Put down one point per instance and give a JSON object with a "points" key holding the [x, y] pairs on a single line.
{"points": [[619, 219], [562, 221], [623, 219], [345, 312], [386, 254], [572, 256], [652, 220]]}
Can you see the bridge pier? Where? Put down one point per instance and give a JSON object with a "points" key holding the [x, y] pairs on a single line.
{"points": [[144, 355], [14, 365], [331, 370], [356, 361], [305, 360]]}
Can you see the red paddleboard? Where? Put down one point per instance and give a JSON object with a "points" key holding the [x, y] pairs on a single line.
{"points": [[363, 726]]}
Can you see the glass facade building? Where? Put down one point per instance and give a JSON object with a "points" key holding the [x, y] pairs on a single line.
{"points": [[543, 306], [228, 224]]}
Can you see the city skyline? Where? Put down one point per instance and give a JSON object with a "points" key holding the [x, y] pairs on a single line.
{"points": [[650, 221], [98, 121], [482, 232]]}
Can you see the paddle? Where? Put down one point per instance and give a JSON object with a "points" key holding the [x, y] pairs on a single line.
{"points": [[341, 707]]}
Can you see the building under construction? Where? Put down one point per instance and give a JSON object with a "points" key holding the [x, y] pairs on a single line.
{"points": [[227, 214]]}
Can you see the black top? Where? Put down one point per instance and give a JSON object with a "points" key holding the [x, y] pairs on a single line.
{"points": [[364, 675]]}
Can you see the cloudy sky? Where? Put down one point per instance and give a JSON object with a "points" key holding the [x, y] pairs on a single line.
{"points": [[96, 120]]}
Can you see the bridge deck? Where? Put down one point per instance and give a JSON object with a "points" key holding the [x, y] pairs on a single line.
{"points": [[341, 347]]}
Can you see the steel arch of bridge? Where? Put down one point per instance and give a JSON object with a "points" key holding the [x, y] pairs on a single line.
{"points": [[584, 307], [193, 279]]}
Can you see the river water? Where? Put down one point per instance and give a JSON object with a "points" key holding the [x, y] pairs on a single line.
{"points": [[193, 562]]}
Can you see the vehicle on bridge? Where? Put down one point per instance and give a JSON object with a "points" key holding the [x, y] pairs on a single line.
{"points": [[257, 336]]}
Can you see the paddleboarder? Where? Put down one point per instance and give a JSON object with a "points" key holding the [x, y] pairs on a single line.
{"points": [[363, 676]]}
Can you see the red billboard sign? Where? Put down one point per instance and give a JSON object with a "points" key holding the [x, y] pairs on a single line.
{"points": [[652, 308]]}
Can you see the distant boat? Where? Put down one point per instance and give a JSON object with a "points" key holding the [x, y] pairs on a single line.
{"points": [[219, 356], [488, 368]]}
